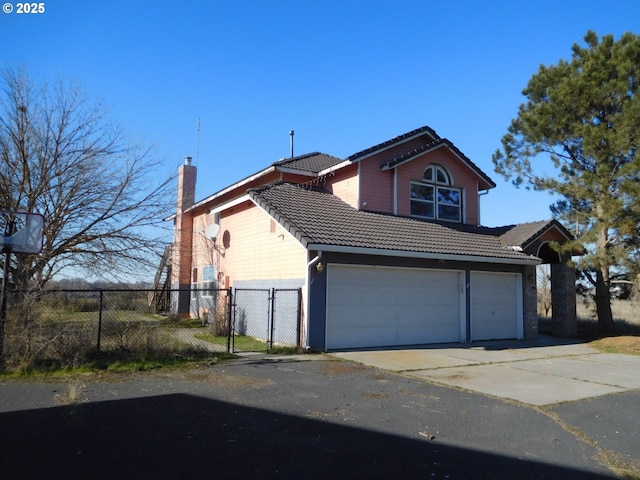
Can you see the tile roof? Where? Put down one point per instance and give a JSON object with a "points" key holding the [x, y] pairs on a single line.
{"points": [[523, 233], [428, 130], [316, 217], [311, 162]]}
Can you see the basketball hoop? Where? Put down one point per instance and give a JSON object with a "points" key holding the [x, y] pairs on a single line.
{"points": [[21, 232]]}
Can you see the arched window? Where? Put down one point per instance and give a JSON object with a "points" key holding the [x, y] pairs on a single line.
{"points": [[434, 198]]}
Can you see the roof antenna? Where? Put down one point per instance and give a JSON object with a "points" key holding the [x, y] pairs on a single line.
{"points": [[197, 140], [291, 133]]}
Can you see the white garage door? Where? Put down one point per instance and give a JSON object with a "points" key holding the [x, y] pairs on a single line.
{"points": [[496, 306], [385, 306]]}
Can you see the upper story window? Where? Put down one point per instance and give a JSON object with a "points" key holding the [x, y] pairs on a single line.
{"points": [[433, 197]]}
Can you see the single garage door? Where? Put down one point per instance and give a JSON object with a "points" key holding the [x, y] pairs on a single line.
{"points": [[496, 305], [383, 306]]}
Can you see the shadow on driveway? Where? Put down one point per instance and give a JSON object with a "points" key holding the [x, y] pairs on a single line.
{"points": [[187, 436]]}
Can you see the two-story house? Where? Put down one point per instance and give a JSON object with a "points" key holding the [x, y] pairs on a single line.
{"points": [[385, 244]]}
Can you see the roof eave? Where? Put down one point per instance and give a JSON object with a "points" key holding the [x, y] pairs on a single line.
{"points": [[525, 260], [552, 224], [420, 132], [230, 188], [334, 168], [453, 149]]}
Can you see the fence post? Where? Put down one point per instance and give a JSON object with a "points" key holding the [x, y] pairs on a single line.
{"points": [[299, 319], [273, 318], [99, 320], [3, 302], [229, 318]]}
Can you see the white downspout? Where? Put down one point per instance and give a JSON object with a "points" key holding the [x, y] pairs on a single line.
{"points": [[480, 194], [307, 279]]}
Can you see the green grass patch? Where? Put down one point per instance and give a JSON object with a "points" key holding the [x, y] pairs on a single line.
{"points": [[241, 342], [171, 322], [120, 362], [64, 316], [211, 338], [249, 344]]}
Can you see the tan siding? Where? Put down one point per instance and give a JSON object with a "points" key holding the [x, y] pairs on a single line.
{"points": [[254, 249]]}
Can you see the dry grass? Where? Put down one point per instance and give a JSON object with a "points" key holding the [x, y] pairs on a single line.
{"points": [[626, 344], [73, 395], [627, 311], [626, 314]]}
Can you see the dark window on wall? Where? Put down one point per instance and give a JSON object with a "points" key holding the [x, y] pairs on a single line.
{"points": [[434, 198], [209, 280]]}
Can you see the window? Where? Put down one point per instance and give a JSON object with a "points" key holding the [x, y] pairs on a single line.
{"points": [[194, 283], [209, 280], [434, 198]]}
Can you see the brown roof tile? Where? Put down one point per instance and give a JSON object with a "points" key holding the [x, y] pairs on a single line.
{"points": [[317, 217], [428, 130], [521, 234], [311, 162]]}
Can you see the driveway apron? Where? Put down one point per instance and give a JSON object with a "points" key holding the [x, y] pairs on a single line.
{"points": [[542, 372]]}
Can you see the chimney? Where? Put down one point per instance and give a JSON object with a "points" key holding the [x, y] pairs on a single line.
{"points": [[186, 186], [182, 237], [291, 132]]}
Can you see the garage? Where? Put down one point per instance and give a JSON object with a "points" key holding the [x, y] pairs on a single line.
{"points": [[496, 306], [374, 306]]}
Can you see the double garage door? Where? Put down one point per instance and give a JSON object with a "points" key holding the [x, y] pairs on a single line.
{"points": [[386, 306]]}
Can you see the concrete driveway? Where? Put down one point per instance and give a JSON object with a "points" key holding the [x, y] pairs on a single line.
{"points": [[542, 372]]}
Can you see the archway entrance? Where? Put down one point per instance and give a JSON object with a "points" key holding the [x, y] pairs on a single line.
{"points": [[561, 289]]}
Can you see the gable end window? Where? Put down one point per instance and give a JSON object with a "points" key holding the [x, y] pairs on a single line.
{"points": [[434, 198]]}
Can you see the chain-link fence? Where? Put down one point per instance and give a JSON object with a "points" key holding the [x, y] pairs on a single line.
{"points": [[264, 318], [67, 327]]}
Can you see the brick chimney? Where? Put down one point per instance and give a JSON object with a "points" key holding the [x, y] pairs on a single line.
{"points": [[182, 240]]}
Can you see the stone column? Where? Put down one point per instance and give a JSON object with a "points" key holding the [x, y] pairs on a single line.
{"points": [[563, 300], [530, 300]]}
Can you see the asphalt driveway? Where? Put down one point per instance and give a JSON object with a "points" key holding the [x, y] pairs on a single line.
{"points": [[309, 416], [594, 393]]}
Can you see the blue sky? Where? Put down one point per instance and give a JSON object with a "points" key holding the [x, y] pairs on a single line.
{"points": [[345, 75]]}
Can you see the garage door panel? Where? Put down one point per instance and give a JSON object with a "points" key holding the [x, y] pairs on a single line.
{"points": [[387, 306], [390, 336], [495, 305]]}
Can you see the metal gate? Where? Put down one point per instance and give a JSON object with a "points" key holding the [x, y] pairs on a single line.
{"points": [[264, 318]]}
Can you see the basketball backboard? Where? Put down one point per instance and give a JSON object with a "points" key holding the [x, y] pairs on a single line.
{"points": [[21, 232]]}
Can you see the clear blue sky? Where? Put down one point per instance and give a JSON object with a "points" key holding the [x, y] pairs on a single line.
{"points": [[345, 75]]}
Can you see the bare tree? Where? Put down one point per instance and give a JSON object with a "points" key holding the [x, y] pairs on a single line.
{"points": [[543, 274], [100, 194]]}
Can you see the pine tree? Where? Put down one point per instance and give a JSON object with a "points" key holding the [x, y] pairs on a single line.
{"points": [[577, 136]]}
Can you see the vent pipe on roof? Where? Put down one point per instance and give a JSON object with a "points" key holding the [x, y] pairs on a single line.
{"points": [[187, 160], [291, 133]]}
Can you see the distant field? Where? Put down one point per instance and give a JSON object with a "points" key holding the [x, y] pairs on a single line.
{"points": [[623, 310], [626, 314]]}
